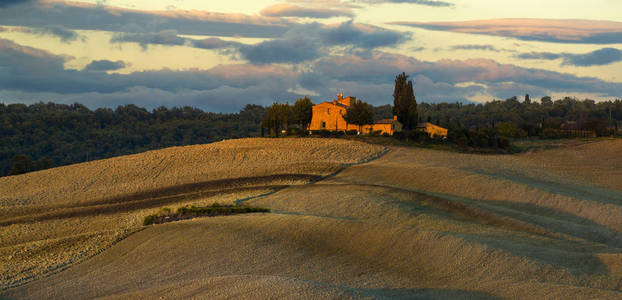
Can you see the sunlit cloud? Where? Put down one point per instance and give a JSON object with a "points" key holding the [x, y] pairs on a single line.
{"points": [[433, 3], [546, 30], [84, 16], [290, 10]]}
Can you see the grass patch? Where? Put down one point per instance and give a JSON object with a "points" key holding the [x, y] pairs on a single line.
{"points": [[166, 215]]}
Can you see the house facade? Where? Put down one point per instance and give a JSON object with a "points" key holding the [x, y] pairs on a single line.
{"points": [[432, 130], [329, 116]]}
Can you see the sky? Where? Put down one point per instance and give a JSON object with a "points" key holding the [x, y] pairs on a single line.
{"points": [[222, 55]]}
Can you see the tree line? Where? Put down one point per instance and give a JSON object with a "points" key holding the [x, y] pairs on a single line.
{"points": [[43, 135]]}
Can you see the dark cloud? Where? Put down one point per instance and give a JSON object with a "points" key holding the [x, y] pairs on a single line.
{"points": [[64, 34], [290, 10], [75, 15], [475, 47], [5, 3], [539, 55], [104, 65], [381, 67], [308, 42], [27, 71], [281, 51], [165, 37], [171, 38], [545, 30], [213, 43], [599, 57], [364, 36]]}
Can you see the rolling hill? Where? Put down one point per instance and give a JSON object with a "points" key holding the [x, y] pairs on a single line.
{"points": [[348, 220]]}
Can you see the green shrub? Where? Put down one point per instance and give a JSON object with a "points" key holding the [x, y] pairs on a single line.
{"points": [[186, 212], [150, 219]]}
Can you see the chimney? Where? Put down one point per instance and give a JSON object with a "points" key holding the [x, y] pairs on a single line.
{"points": [[335, 102], [340, 96]]}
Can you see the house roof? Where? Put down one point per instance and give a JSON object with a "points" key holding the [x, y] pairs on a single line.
{"points": [[428, 124]]}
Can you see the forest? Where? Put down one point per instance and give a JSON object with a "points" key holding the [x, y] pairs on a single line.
{"points": [[44, 135]]}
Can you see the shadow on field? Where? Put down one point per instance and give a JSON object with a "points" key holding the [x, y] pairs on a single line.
{"points": [[573, 190], [424, 294], [560, 222]]}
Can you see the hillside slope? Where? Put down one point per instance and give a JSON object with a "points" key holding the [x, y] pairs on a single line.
{"points": [[414, 223], [54, 218]]}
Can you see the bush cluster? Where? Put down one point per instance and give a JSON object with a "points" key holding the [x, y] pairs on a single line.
{"points": [[187, 212]]}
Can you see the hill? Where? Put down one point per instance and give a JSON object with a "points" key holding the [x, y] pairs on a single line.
{"points": [[55, 217], [412, 223]]}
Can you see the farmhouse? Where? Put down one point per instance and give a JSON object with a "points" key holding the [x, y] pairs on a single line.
{"points": [[329, 116], [432, 130]]}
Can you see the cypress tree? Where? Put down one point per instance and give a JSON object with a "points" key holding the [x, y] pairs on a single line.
{"points": [[404, 103]]}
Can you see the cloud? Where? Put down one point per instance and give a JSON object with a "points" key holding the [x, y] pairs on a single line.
{"points": [[104, 65], [282, 51], [290, 10], [165, 37], [475, 47], [380, 67], [64, 34], [30, 75], [599, 57], [308, 42], [84, 16], [365, 36], [419, 2], [6, 3], [539, 55], [546, 30], [29, 71], [213, 43]]}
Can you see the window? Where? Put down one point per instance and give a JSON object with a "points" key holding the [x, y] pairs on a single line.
{"points": [[329, 111], [323, 124]]}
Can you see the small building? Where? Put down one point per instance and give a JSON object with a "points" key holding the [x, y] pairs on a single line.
{"points": [[388, 126], [432, 130], [328, 115]]}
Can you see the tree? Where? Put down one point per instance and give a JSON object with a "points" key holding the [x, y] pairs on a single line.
{"points": [[303, 111], [278, 116], [413, 116], [20, 164], [404, 102], [43, 163], [359, 113]]}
